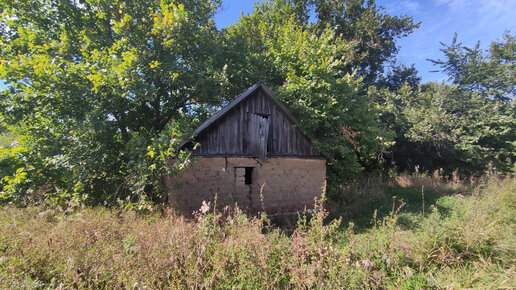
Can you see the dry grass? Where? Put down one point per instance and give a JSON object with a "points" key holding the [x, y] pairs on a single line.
{"points": [[463, 241]]}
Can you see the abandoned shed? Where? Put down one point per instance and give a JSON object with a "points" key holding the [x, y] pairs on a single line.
{"points": [[252, 154]]}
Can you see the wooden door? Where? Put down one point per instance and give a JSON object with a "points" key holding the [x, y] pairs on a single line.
{"points": [[257, 135]]}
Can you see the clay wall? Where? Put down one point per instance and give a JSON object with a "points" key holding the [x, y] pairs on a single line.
{"points": [[276, 185]]}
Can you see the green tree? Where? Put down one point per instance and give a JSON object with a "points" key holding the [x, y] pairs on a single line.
{"points": [[467, 126], [305, 67], [369, 32], [398, 75], [439, 126], [491, 72], [372, 31], [94, 84]]}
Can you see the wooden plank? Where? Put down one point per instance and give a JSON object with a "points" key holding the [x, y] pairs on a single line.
{"points": [[296, 141], [264, 135], [258, 133], [209, 143], [232, 132], [251, 105], [273, 125], [288, 138], [203, 144], [224, 110], [223, 126], [241, 130], [236, 124], [217, 137], [258, 100]]}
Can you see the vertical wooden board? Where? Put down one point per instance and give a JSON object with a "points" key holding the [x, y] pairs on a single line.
{"points": [[212, 141], [269, 137], [209, 142], [259, 103], [257, 135], [241, 130], [296, 142], [292, 139], [280, 133], [309, 146], [227, 134], [202, 147], [244, 130], [217, 137], [303, 148], [251, 105], [233, 132], [274, 125], [275, 130], [288, 139], [291, 134], [258, 98], [223, 137], [268, 105], [234, 149], [205, 145], [264, 135], [249, 134], [299, 144]]}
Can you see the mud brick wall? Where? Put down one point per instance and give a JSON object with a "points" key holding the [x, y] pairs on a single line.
{"points": [[276, 185]]}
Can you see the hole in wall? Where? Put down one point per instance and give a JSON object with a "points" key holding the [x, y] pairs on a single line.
{"points": [[248, 175]]}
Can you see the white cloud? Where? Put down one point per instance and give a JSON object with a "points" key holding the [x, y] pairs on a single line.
{"points": [[455, 4], [411, 6]]}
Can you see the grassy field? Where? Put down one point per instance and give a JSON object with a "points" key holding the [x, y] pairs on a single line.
{"points": [[465, 238]]}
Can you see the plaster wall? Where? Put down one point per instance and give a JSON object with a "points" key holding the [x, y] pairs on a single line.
{"points": [[277, 185]]}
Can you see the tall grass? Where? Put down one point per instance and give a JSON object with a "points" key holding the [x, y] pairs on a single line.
{"points": [[371, 196], [465, 239]]}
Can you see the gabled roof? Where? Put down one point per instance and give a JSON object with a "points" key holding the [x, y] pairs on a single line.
{"points": [[238, 100]]}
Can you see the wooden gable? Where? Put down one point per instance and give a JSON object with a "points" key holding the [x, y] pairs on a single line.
{"points": [[255, 124]]}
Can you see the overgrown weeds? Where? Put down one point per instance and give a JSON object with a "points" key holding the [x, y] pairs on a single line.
{"points": [[463, 240]]}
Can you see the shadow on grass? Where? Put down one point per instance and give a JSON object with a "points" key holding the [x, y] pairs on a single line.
{"points": [[371, 199]]}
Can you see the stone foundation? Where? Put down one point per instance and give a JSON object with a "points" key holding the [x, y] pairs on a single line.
{"points": [[276, 185]]}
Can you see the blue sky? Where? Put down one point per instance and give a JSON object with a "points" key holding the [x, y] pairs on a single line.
{"points": [[473, 20]]}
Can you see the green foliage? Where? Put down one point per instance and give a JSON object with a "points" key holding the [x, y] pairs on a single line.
{"points": [[102, 93], [372, 32], [440, 126], [304, 66], [397, 76], [92, 84], [468, 126], [490, 72], [7, 138]]}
